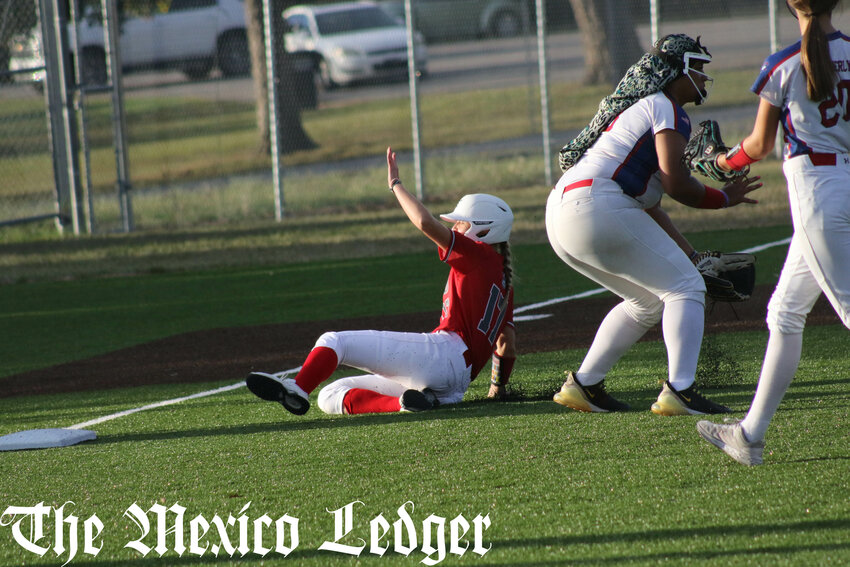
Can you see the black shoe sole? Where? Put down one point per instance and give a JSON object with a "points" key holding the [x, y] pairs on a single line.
{"points": [[273, 391]]}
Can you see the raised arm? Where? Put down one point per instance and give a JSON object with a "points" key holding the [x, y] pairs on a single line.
{"points": [[421, 217]]}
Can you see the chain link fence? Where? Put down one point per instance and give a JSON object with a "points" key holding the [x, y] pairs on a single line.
{"points": [[198, 125], [27, 188]]}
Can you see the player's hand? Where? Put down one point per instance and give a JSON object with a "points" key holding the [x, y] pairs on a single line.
{"points": [[737, 190], [392, 167], [497, 392]]}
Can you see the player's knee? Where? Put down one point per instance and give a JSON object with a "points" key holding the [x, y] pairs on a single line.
{"points": [[331, 397], [785, 322], [646, 313], [330, 340], [781, 319], [694, 294]]}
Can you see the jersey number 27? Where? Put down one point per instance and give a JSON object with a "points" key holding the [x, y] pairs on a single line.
{"points": [[839, 99]]}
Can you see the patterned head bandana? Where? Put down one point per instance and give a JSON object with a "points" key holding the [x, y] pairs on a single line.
{"points": [[663, 64]]}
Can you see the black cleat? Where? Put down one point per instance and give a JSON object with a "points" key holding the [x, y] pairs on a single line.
{"points": [[283, 390], [587, 398], [415, 400], [687, 402]]}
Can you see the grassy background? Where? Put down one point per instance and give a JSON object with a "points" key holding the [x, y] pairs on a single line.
{"points": [[560, 487]]}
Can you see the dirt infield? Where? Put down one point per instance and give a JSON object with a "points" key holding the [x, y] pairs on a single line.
{"points": [[229, 354]]}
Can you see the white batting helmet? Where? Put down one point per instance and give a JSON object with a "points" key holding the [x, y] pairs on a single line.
{"points": [[489, 217]]}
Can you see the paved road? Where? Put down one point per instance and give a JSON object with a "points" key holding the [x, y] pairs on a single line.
{"points": [[455, 67]]}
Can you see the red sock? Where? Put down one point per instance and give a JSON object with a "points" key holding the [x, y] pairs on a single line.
{"points": [[359, 400], [320, 364]]}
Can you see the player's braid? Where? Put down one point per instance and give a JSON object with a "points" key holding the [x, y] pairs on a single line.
{"points": [[504, 249]]}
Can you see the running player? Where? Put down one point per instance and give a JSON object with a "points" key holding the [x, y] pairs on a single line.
{"points": [[604, 219], [806, 87], [417, 371]]}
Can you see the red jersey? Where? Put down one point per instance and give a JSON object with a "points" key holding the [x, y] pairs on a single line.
{"points": [[476, 304]]}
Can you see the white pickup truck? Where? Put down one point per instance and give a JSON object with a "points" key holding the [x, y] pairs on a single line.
{"points": [[194, 36]]}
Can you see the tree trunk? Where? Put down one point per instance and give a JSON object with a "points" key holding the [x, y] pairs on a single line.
{"points": [[609, 39], [293, 137], [257, 48]]}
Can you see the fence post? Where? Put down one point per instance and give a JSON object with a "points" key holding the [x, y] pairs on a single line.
{"points": [[540, 6], [62, 126], [773, 17], [412, 80], [653, 21], [269, 30], [119, 128]]}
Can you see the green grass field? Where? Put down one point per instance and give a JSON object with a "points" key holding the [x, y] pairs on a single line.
{"points": [[558, 487]]}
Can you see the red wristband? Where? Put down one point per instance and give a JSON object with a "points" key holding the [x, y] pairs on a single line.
{"points": [[713, 199], [737, 158]]}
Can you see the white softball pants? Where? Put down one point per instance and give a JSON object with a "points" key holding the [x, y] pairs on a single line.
{"points": [[397, 362], [606, 236], [818, 261], [819, 255]]}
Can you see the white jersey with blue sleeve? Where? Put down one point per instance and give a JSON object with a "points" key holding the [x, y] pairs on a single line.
{"points": [[625, 152], [819, 127]]}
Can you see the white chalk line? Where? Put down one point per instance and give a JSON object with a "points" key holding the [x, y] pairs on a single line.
{"points": [[522, 318], [173, 401], [241, 383], [597, 291], [761, 247]]}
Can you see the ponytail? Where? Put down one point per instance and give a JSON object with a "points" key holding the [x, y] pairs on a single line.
{"points": [[504, 248], [814, 55]]}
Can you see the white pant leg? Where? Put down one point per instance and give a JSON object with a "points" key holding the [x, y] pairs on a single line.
{"points": [[331, 396], [606, 236], [820, 210], [795, 293], [412, 360]]}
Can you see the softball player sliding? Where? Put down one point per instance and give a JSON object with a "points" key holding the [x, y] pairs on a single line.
{"points": [[806, 87], [417, 371], [604, 220]]}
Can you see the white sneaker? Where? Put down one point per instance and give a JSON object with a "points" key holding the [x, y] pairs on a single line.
{"points": [[274, 389], [730, 438]]}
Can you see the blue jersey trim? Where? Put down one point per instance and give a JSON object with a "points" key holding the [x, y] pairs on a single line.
{"points": [[771, 63], [642, 162], [634, 174], [776, 59]]}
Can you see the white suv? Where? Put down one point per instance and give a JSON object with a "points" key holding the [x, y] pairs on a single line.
{"points": [[351, 41], [191, 35]]}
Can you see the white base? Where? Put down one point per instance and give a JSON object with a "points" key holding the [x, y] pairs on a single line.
{"points": [[44, 438]]}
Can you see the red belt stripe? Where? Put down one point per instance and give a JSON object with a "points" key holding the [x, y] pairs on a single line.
{"points": [[822, 159], [577, 184]]}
